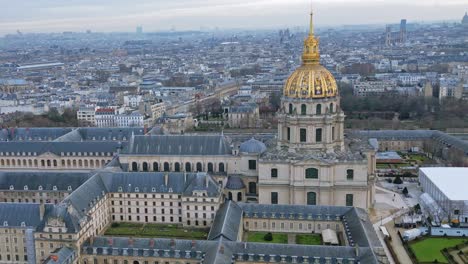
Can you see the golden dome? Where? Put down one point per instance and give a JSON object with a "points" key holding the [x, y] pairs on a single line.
{"points": [[310, 80]]}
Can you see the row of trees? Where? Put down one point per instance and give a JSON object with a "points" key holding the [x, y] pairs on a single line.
{"points": [[50, 119]]}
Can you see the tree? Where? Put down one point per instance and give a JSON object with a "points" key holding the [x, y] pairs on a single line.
{"points": [[397, 180], [405, 191], [268, 237]]}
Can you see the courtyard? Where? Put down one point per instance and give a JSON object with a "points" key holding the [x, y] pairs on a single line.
{"points": [[155, 230], [283, 238]]}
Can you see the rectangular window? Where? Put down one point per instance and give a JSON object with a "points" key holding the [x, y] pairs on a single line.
{"points": [[252, 164], [311, 173], [274, 173], [350, 174], [289, 134], [274, 198], [349, 200], [318, 135], [303, 134]]}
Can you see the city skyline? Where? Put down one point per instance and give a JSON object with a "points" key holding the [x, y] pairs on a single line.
{"points": [[102, 16]]}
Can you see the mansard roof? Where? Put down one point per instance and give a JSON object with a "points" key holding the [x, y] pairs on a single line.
{"points": [[14, 214], [178, 145], [45, 179], [33, 133], [40, 147], [227, 222], [408, 135]]}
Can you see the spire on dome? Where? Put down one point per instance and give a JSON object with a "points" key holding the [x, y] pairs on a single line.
{"points": [[311, 26]]}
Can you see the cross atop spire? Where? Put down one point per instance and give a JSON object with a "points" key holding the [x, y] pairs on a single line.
{"points": [[311, 26]]}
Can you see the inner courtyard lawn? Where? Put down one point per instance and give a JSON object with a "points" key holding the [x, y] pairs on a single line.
{"points": [[429, 249], [155, 230], [259, 237], [309, 239]]}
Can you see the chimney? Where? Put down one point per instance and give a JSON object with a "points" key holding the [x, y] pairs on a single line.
{"points": [[41, 211], [172, 243], [130, 242], [193, 243], [110, 241], [185, 177], [151, 243], [166, 178], [356, 251], [206, 181], [221, 249]]}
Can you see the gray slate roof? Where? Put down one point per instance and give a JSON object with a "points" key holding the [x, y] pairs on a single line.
{"points": [[62, 180], [227, 222], [253, 146], [40, 147], [33, 133], [178, 145], [439, 136], [65, 255], [16, 213]]}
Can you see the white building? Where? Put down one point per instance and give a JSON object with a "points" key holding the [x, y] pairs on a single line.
{"points": [[132, 100], [129, 120], [87, 114], [447, 186]]}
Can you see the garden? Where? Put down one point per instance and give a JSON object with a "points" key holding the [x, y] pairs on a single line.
{"points": [[434, 249], [281, 238], [155, 230]]}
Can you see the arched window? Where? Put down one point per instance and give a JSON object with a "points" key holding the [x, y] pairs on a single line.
{"points": [[303, 135], [350, 174], [2, 162], [331, 108], [188, 167], [303, 109], [177, 166], [145, 166], [210, 167], [74, 163], [290, 109], [311, 198], [230, 196], [239, 196], [80, 163], [85, 163], [134, 166], [221, 167], [49, 164], [274, 173], [311, 173], [318, 135], [318, 109], [199, 167], [166, 166], [91, 163], [155, 166], [253, 187]]}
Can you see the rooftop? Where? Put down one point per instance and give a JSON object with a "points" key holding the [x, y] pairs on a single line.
{"points": [[450, 181]]}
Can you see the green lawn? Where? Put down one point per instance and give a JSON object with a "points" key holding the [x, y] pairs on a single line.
{"points": [[309, 239], [258, 237], [418, 157], [156, 230], [429, 249]]}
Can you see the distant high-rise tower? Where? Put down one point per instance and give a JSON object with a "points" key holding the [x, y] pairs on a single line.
{"points": [[388, 35], [139, 30], [403, 31]]}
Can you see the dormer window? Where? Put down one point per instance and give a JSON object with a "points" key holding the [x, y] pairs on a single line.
{"points": [[54, 188], [23, 224], [120, 189], [69, 188], [137, 189], [25, 188], [11, 187], [170, 190], [5, 223], [40, 188]]}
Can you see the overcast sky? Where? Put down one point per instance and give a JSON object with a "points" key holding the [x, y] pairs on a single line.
{"points": [[156, 15]]}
